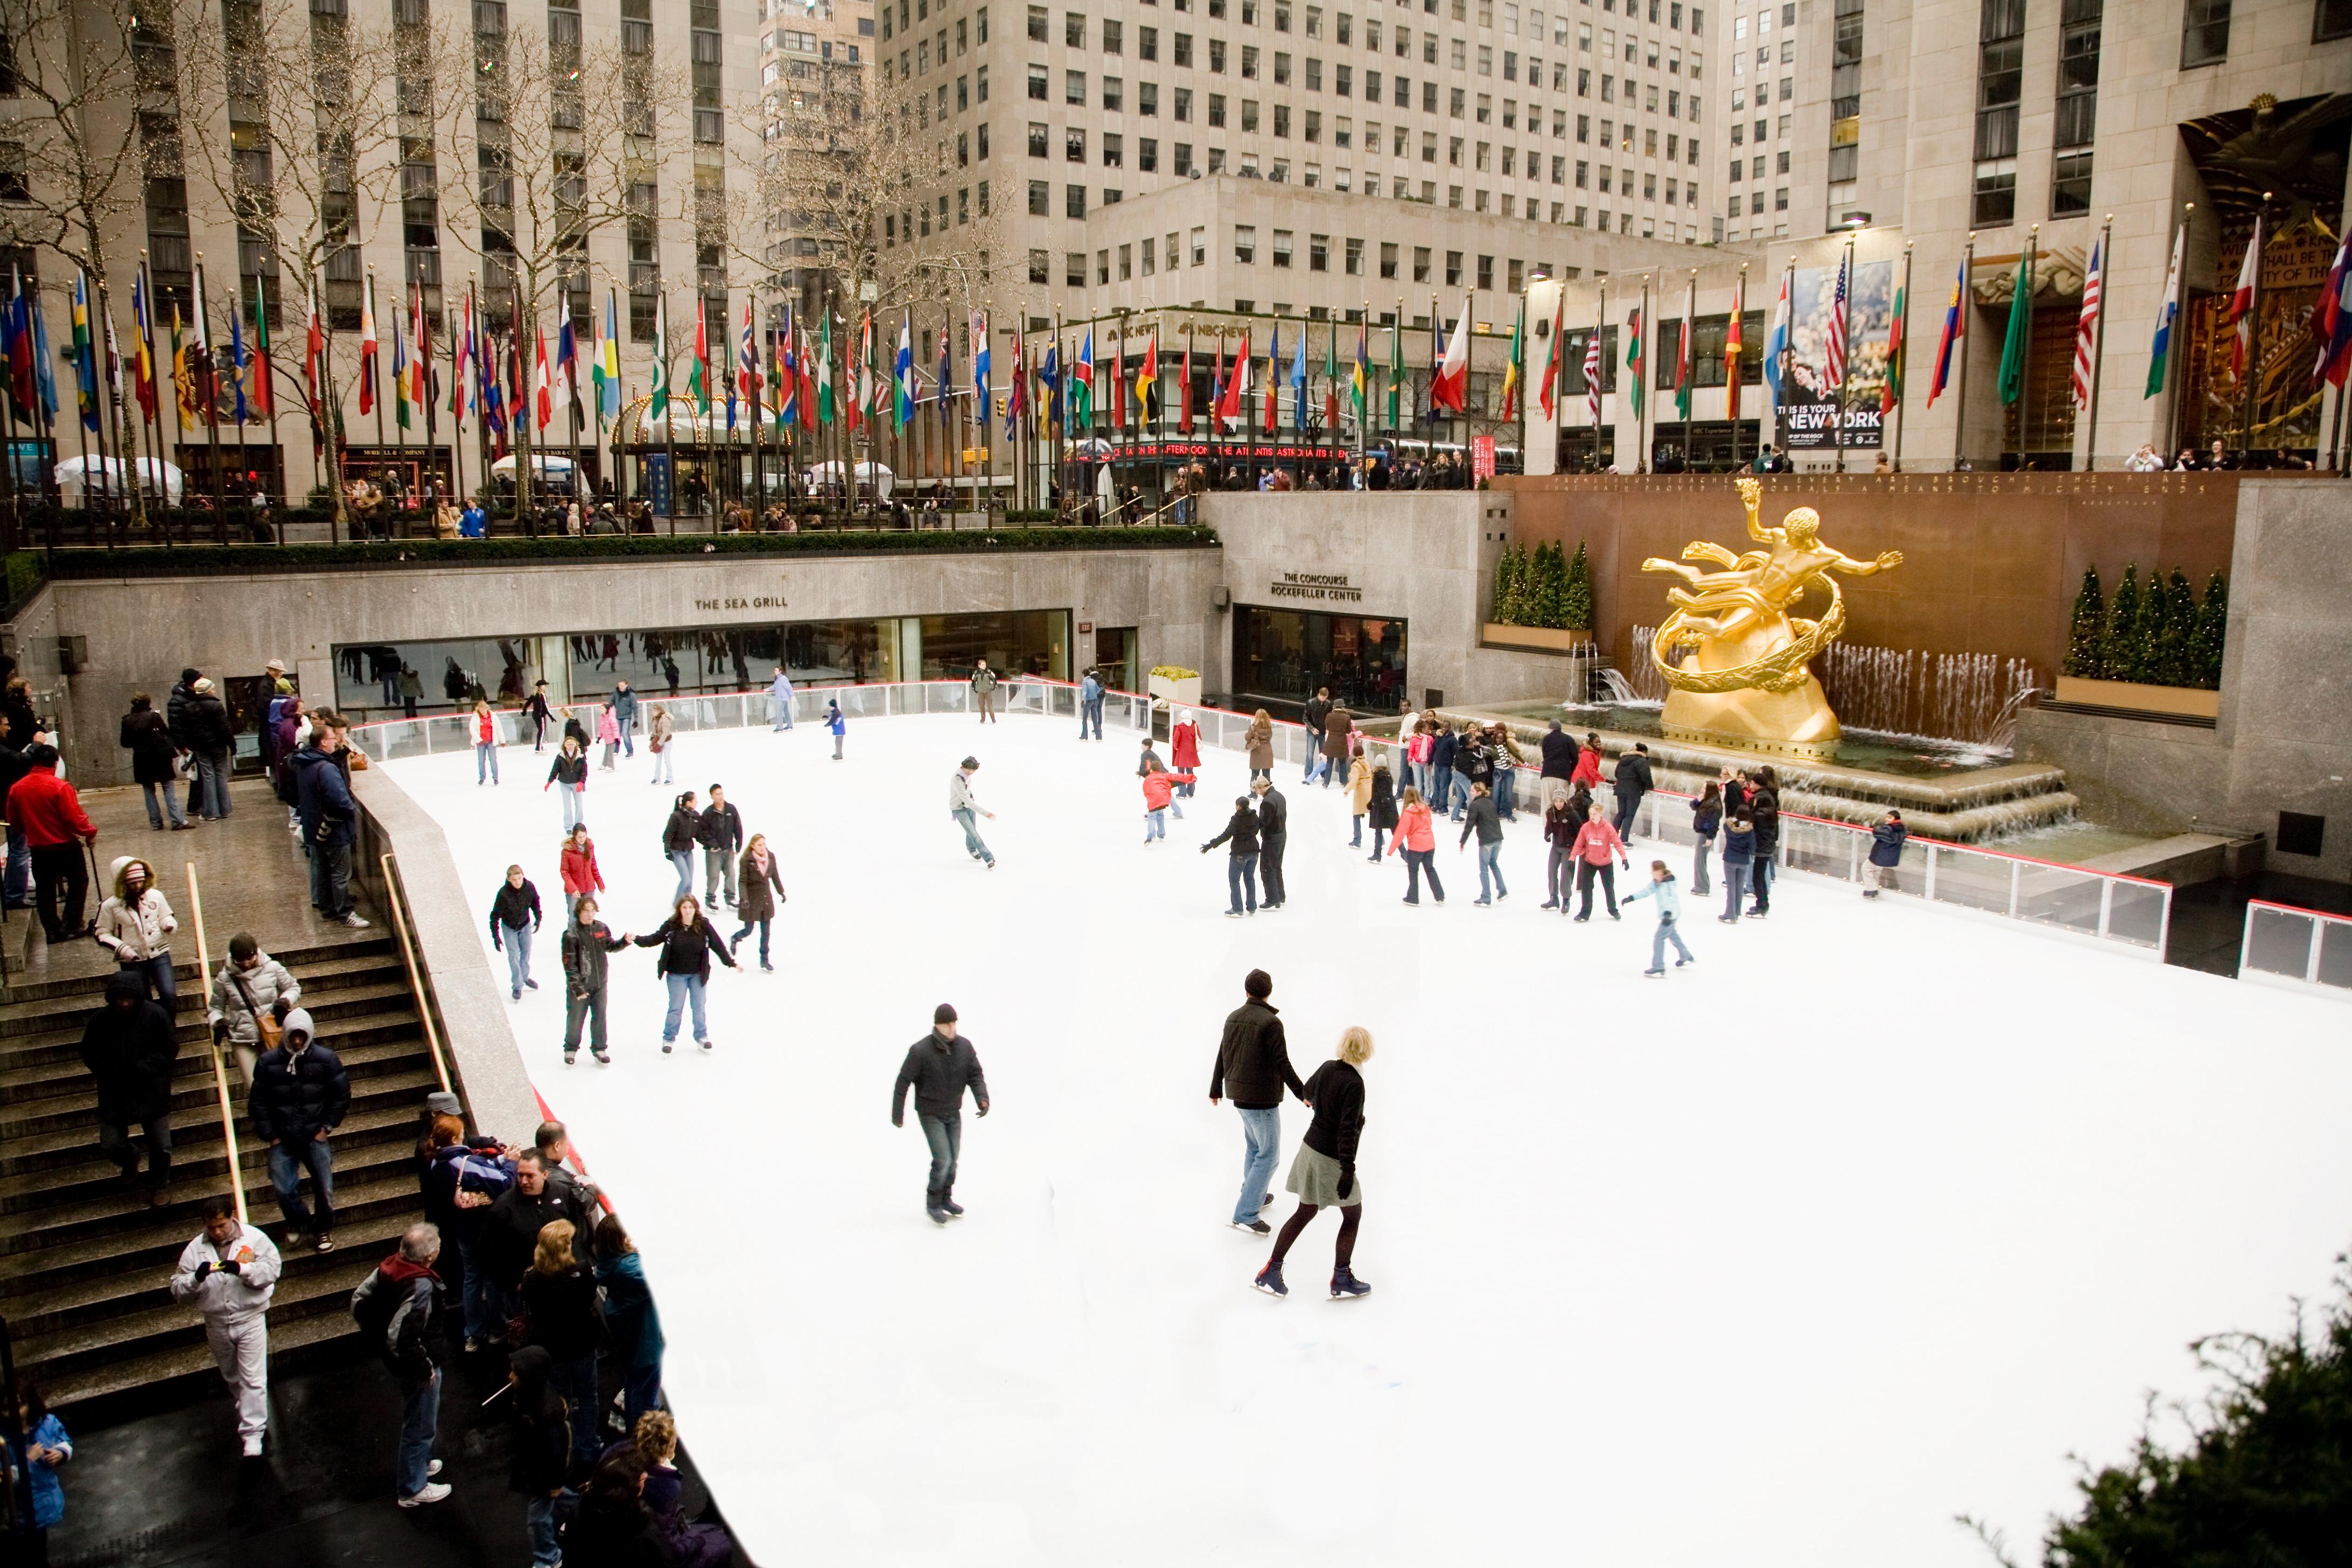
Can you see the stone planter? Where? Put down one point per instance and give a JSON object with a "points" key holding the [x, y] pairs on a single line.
{"points": [[1533, 639], [2131, 697], [1185, 693]]}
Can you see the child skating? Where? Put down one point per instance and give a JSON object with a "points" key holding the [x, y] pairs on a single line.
{"points": [[1669, 898]]}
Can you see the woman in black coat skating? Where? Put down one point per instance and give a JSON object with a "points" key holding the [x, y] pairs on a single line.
{"points": [[1324, 1174], [1382, 813], [689, 941], [1241, 870]]}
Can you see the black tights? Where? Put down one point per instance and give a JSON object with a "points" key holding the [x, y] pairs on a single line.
{"points": [[1344, 1250]]}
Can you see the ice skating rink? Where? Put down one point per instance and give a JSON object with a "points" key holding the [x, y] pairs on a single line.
{"points": [[1870, 1219]]}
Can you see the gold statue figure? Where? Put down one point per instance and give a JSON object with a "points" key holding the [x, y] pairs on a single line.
{"points": [[1746, 680]]}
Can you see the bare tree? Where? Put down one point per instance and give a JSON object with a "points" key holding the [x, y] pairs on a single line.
{"points": [[70, 161], [563, 142]]}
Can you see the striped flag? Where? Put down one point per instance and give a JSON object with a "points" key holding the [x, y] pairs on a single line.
{"points": [[1955, 329], [142, 361], [367, 346], [85, 362], [1593, 374], [1511, 366], [1834, 360], [1732, 349], [2331, 320], [1546, 398], [1776, 342], [2241, 313], [1890, 387], [399, 372], [256, 390], [1683, 369], [314, 355], [2086, 325]]}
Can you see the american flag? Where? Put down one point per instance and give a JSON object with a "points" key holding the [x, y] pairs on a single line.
{"points": [[1834, 370], [1592, 376], [2086, 327]]}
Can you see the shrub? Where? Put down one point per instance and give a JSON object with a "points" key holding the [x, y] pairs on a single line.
{"points": [[1577, 605], [2207, 637], [2086, 636], [2121, 656]]}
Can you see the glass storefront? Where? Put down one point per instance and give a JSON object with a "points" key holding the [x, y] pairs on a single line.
{"points": [[1282, 656], [661, 662]]}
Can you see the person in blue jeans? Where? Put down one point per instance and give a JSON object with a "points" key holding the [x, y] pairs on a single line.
{"points": [[514, 916], [399, 1309], [1090, 704], [780, 701], [632, 1321], [299, 1095], [1670, 911], [687, 943], [678, 839], [962, 804], [542, 1458], [1252, 1069], [1487, 825], [1241, 865], [625, 712], [1739, 855], [939, 1068]]}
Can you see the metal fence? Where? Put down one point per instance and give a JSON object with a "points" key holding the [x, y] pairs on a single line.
{"points": [[2296, 946]]}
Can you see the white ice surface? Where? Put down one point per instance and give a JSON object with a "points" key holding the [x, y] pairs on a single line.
{"points": [[1870, 1218]]}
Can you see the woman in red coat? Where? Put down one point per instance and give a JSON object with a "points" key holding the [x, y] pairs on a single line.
{"points": [[580, 877], [1184, 751]]}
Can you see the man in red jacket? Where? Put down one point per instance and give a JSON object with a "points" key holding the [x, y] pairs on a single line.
{"points": [[48, 812]]}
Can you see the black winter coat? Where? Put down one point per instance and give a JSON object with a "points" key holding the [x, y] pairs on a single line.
{"points": [[1337, 1091], [208, 728], [1473, 761], [1382, 810], [510, 1230], [149, 741], [584, 956], [129, 1052], [542, 1460], [1559, 754], [938, 1071], [568, 772], [688, 949], [1242, 832], [720, 828], [176, 712], [1442, 750], [1886, 843], [564, 1314], [1707, 816], [1253, 1064], [615, 1533], [1633, 776], [515, 907], [296, 1095], [1273, 816], [1764, 811], [678, 833]]}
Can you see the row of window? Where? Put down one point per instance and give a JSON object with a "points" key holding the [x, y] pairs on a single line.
{"points": [[1458, 55], [1073, 140], [1647, 97], [1074, 24]]}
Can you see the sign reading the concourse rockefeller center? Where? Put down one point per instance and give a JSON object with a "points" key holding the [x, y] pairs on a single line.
{"points": [[1315, 585]]}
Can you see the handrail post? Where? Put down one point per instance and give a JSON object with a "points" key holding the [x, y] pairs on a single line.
{"points": [[220, 1069], [398, 906], [1931, 873], [2311, 962], [2106, 904], [2016, 870]]}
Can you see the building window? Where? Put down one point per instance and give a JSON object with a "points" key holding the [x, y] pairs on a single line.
{"points": [[2331, 20], [1318, 253], [1454, 270], [1073, 30], [1282, 247], [1037, 21], [1036, 139], [1355, 258], [1037, 83], [2078, 103], [1037, 267], [1074, 145], [2205, 33], [1388, 261], [1040, 198], [1074, 270], [1845, 62], [1246, 244], [2000, 55], [1073, 201]]}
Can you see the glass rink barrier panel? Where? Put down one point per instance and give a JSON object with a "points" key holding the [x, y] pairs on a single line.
{"points": [[2286, 945]]}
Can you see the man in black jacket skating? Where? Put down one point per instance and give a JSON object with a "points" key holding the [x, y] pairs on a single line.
{"points": [[1560, 754], [1254, 1067], [1273, 838], [939, 1068]]}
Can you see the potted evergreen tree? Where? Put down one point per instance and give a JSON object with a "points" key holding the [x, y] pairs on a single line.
{"points": [[2148, 650], [1541, 604]]}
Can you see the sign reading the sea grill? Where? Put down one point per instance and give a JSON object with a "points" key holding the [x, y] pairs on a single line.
{"points": [[1315, 585]]}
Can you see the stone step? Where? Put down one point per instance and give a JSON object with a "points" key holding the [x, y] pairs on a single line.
{"points": [[60, 1014], [58, 1097], [30, 994], [72, 1169], [189, 1360], [357, 998]]}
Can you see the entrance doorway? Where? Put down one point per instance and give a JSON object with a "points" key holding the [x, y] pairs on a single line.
{"points": [[1115, 655]]}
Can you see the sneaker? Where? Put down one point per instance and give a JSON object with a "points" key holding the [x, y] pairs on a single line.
{"points": [[938, 1215], [1255, 1226], [955, 1209], [356, 924], [1269, 1280], [252, 1446], [1345, 1286], [473, 1347], [433, 1492], [322, 1242], [293, 1238], [431, 1469]]}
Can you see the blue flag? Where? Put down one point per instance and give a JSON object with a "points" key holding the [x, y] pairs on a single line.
{"points": [[237, 360], [1298, 385], [1049, 376], [41, 372], [904, 370]]}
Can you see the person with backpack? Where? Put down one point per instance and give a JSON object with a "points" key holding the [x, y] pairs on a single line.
{"points": [[568, 775], [983, 691], [677, 841], [398, 1308], [462, 1179]]}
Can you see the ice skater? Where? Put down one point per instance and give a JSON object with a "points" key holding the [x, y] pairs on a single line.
{"points": [[689, 942], [1739, 855], [486, 743], [1560, 822], [1380, 810], [1707, 821], [608, 735], [764, 889], [1359, 797], [1273, 838], [1632, 784], [1596, 843], [983, 691], [1253, 1068], [939, 1068], [514, 916], [1090, 704], [780, 701], [1662, 888], [1886, 842], [1764, 815], [1184, 751], [964, 805], [720, 831], [1483, 820], [535, 708], [1416, 839], [661, 739], [586, 941], [837, 723], [677, 841], [569, 773], [1241, 864], [576, 862], [1158, 794], [1323, 1175]]}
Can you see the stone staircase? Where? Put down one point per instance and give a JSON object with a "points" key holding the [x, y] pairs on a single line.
{"points": [[83, 1263]]}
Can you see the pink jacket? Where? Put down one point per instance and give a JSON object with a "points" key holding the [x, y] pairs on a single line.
{"points": [[1595, 842], [608, 727]]}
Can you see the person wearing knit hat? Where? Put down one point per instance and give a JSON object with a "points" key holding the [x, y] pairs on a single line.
{"points": [[939, 1068]]}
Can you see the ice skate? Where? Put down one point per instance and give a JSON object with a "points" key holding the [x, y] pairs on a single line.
{"points": [[1255, 1226], [1345, 1286], [955, 1209], [1269, 1280]]}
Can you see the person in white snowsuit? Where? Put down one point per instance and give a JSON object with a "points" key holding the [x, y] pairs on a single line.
{"points": [[228, 1273]]}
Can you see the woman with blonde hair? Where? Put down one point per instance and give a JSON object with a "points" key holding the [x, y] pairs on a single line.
{"points": [[762, 886], [1324, 1174], [1260, 742], [653, 1437], [566, 1319]]}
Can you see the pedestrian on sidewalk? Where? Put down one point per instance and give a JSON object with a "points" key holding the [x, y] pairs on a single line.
{"points": [[486, 743], [1886, 841], [780, 700], [762, 883], [964, 805], [568, 775], [55, 830], [576, 863], [250, 987], [983, 691], [515, 915], [212, 739], [687, 943], [1595, 844], [720, 831], [329, 816], [1707, 821], [939, 1068], [586, 941], [399, 1309], [631, 1320], [228, 1273], [677, 841], [1380, 808], [1739, 855], [136, 921], [1662, 888], [1253, 1068], [153, 755], [565, 1319], [837, 722], [540, 1461], [463, 1179], [535, 708], [300, 1094], [1323, 1174], [129, 1046], [661, 739], [1487, 825], [1241, 863], [1273, 839], [1416, 839]]}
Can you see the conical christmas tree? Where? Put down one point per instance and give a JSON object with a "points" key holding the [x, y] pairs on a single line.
{"points": [[2086, 637], [2120, 657], [2209, 634], [1507, 579], [1579, 606]]}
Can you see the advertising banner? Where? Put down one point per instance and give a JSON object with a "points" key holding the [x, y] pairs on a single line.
{"points": [[1808, 404]]}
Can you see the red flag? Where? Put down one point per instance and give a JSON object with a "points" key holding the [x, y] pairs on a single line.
{"points": [[1185, 393], [1229, 407], [314, 352], [539, 382]]}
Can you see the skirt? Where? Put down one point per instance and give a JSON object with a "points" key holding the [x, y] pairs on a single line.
{"points": [[1315, 1179]]}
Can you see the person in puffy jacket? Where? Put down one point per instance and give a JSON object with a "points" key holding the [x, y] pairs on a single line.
{"points": [[129, 1046], [576, 863], [328, 813], [687, 943], [399, 1309], [228, 1273], [152, 754], [1559, 753], [1359, 798], [1379, 807], [300, 1094], [47, 811], [1595, 844], [483, 726], [608, 735], [1416, 839], [1886, 842], [249, 986], [762, 882], [1661, 887], [463, 1177], [1764, 812], [1241, 865], [677, 841], [1739, 855], [586, 941], [136, 921], [1184, 751], [1587, 771], [1632, 781], [1707, 821], [568, 775]]}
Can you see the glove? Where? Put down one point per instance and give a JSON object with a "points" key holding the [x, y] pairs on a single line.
{"points": [[1347, 1181], [202, 1269], [220, 1032], [983, 1107], [232, 1267]]}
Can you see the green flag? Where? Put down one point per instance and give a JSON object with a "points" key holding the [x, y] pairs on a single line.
{"points": [[1633, 357], [824, 410], [2020, 329], [659, 407]]}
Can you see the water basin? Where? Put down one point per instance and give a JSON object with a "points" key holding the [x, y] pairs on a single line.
{"points": [[1904, 756]]}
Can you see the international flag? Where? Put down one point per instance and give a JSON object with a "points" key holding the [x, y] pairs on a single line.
{"points": [[1450, 387], [659, 408], [1273, 377], [861, 382], [399, 372], [1592, 376], [183, 401], [787, 376], [1049, 376], [1546, 398], [1117, 376], [567, 353], [239, 365], [1833, 358], [1360, 391], [730, 383], [1636, 361], [2331, 320], [1890, 390], [1956, 326], [982, 398], [608, 364], [85, 362], [1298, 385], [1147, 380], [2086, 326], [542, 401], [421, 369], [1732, 348], [903, 411], [198, 345], [1229, 404], [1218, 368], [367, 343], [1396, 369], [1082, 386], [826, 412], [465, 357], [698, 374], [493, 399], [1775, 344], [1511, 367], [946, 380], [1683, 377], [1332, 380], [2241, 313], [1016, 390], [2021, 331], [142, 376]]}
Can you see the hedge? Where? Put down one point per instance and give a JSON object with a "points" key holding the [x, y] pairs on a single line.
{"points": [[198, 560]]}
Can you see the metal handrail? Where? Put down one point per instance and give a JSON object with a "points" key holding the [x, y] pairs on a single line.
{"points": [[400, 925], [220, 1068]]}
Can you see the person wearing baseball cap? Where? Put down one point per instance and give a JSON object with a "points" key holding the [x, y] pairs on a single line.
{"points": [[939, 1068]]}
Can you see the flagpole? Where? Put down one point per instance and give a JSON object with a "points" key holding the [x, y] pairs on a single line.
{"points": [[133, 437], [1967, 333], [2254, 338], [1902, 370], [1643, 402], [456, 424], [669, 400], [1686, 363], [479, 349], [2175, 351], [759, 448], [2099, 338], [1845, 336], [151, 422], [1592, 392], [208, 382], [570, 392]]}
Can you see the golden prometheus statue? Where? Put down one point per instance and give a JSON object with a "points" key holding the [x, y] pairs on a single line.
{"points": [[1746, 679]]}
